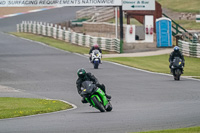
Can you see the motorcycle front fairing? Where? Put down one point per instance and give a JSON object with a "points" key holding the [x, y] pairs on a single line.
{"points": [[177, 63], [177, 68], [90, 90], [96, 61], [96, 56]]}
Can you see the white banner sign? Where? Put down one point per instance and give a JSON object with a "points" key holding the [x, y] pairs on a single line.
{"points": [[22, 3], [138, 5]]}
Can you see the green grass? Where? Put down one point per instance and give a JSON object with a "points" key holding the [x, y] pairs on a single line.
{"points": [[159, 64], [132, 21], [191, 6], [197, 77], [17, 107], [56, 43], [182, 130], [189, 24]]}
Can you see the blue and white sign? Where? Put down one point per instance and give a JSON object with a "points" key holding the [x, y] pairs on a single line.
{"points": [[138, 5]]}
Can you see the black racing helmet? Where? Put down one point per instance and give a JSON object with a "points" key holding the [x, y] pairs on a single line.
{"points": [[81, 73], [176, 49]]}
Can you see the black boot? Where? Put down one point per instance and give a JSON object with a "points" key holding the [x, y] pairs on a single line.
{"points": [[90, 58], [108, 96], [102, 86], [182, 72], [171, 71]]}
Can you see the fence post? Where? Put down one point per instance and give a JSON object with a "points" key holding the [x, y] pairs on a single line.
{"points": [[83, 40], [91, 41], [27, 26], [108, 41], [63, 36], [23, 26], [36, 27], [18, 27], [180, 45], [193, 50], [99, 42], [51, 30], [41, 29], [70, 36], [77, 38]]}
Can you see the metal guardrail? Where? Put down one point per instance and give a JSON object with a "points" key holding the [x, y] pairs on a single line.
{"points": [[189, 49], [56, 32]]}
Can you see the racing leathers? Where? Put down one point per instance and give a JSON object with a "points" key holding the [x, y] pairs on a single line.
{"points": [[89, 77], [176, 54], [90, 52]]}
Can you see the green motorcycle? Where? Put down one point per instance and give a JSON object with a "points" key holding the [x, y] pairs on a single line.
{"points": [[95, 96]]}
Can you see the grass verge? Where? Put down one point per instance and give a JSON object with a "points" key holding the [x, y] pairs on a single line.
{"points": [[189, 24], [182, 130], [132, 21], [196, 77], [56, 43], [191, 6], [17, 107], [159, 64]]}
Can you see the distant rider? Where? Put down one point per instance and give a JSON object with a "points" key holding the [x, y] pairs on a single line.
{"points": [[176, 53], [83, 76], [94, 47]]}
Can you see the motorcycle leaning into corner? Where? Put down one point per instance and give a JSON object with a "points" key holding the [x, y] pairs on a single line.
{"points": [[177, 68], [96, 58], [95, 96]]}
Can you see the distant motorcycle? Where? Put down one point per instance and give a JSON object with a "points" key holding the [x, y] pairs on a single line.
{"points": [[96, 58], [177, 68], [95, 96]]}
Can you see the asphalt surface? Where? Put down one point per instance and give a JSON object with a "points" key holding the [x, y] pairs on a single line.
{"points": [[141, 100]]}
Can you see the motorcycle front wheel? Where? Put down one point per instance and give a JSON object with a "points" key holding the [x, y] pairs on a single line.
{"points": [[96, 65], [178, 74], [98, 104]]}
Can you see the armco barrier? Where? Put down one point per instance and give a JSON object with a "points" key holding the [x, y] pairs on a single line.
{"points": [[56, 32], [189, 49]]}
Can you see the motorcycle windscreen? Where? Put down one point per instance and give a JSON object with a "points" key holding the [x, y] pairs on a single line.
{"points": [[177, 62], [88, 87], [96, 52]]}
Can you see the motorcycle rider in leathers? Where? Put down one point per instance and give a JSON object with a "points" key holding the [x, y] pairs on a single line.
{"points": [[83, 76], [95, 47], [176, 53]]}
